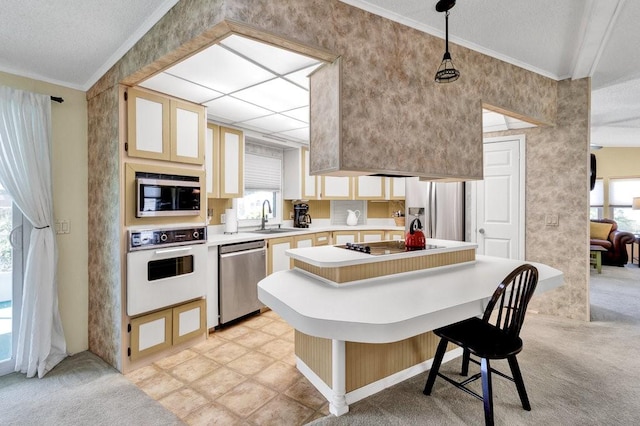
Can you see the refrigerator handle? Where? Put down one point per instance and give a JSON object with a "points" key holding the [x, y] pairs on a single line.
{"points": [[434, 210]]}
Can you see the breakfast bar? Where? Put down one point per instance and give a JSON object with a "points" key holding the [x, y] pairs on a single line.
{"points": [[357, 338]]}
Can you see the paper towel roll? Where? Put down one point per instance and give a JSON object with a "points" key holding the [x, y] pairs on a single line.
{"points": [[231, 221]]}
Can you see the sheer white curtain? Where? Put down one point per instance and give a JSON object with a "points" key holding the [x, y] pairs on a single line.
{"points": [[25, 172]]}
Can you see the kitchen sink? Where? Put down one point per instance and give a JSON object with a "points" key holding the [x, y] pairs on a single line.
{"points": [[274, 230]]}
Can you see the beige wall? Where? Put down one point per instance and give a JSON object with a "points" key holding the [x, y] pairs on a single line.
{"points": [[69, 122], [616, 163]]}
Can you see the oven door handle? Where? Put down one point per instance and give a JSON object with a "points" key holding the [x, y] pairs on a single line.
{"points": [[173, 250]]}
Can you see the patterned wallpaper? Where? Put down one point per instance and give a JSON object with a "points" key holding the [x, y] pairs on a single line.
{"points": [[105, 304], [394, 117], [387, 96], [557, 162]]}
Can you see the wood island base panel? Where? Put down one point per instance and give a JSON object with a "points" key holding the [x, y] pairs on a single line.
{"points": [[346, 274], [365, 363]]}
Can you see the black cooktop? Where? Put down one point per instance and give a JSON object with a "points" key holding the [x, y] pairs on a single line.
{"points": [[378, 248]]}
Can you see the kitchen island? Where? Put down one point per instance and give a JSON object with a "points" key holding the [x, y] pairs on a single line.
{"points": [[353, 341]]}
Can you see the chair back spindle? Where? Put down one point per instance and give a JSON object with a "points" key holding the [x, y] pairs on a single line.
{"points": [[511, 299]]}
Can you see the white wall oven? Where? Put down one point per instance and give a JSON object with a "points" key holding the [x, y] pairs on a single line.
{"points": [[165, 267], [167, 195]]}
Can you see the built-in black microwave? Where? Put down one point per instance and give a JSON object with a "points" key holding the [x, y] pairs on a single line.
{"points": [[167, 195]]}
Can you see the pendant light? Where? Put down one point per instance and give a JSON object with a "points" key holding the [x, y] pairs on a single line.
{"points": [[446, 72]]}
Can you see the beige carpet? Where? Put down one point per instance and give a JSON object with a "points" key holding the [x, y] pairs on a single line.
{"points": [[576, 373], [81, 390]]}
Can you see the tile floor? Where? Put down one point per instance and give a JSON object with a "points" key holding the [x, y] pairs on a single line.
{"points": [[242, 375]]}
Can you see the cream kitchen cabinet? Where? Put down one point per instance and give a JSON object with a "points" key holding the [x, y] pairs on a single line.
{"points": [[231, 163], [224, 163], [321, 239], [395, 188], [160, 330], [213, 314], [394, 235], [212, 161], [370, 187], [337, 188], [306, 240], [370, 236], [277, 260], [298, 184], [164, 128], [343, 237]]}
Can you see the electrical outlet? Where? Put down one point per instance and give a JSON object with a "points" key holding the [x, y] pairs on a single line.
{"points": [[223, 218]]}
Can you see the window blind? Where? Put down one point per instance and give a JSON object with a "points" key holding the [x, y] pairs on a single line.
{"points": [[596, 196], [262, 173], [622, 191]]}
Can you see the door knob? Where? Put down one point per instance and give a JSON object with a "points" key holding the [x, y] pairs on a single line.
{"points": [[481, 230]]}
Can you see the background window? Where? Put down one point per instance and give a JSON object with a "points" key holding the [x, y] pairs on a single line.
{"points": [[596, 200], [262, 181], [621, 194]]}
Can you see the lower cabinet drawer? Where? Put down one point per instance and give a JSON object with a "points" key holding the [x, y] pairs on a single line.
{"points": [[321, 239]]}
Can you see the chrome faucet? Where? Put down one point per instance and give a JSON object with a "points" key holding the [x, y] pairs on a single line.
{"points": [[264, 216]]}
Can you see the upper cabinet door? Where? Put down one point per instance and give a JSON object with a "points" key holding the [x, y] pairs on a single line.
{"points": [[148, 125], [232, 163], [187, 132], [212, 160], [163, 128], [370, 188], [337, 188], [396, 188], [309, 183], [298, 184]]}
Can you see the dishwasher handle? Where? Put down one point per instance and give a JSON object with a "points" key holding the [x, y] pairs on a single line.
{"points": [[242, 252], [244, 246]]}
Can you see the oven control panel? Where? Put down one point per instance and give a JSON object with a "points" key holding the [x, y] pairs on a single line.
{"points": [[153, 238]]}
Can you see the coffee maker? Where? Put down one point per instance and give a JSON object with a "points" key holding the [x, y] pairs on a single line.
{"points": [[301, 217]]}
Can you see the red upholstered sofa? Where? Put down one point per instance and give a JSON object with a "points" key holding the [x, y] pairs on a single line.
{"points": [[616, 244]]}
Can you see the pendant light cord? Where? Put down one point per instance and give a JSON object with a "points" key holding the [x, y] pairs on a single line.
{"points": [[446, 31]]}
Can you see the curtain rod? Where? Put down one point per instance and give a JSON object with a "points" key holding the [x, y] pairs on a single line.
{"points": [[57, 99]]}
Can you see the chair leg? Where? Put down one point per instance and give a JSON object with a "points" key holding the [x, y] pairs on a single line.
{"points": [[437, 360], [487, 391], [517, 377], [465, 362]]}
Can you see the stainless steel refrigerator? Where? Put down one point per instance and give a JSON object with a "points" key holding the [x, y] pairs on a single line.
{"points": [[438, 205]]}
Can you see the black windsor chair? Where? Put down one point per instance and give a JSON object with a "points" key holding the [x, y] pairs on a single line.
{"points": [[495, 336]]}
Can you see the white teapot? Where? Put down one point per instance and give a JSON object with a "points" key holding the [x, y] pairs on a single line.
{"points": [[352, 217]]}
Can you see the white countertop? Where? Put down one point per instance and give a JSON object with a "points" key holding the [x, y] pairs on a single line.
{"points": [[394, 307], [333, 257], [216, 239]]}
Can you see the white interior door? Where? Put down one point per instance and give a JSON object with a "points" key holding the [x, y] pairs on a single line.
{"points": [[499, 199]]}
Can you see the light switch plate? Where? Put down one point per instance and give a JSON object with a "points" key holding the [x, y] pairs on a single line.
{"points": [[551, 220], [62, 227]]}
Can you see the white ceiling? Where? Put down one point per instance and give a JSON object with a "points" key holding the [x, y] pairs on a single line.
{"points": [[73, 43], [246, 84]]}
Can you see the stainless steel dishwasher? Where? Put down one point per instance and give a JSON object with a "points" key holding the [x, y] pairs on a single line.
{"points": [[241, 266]]}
